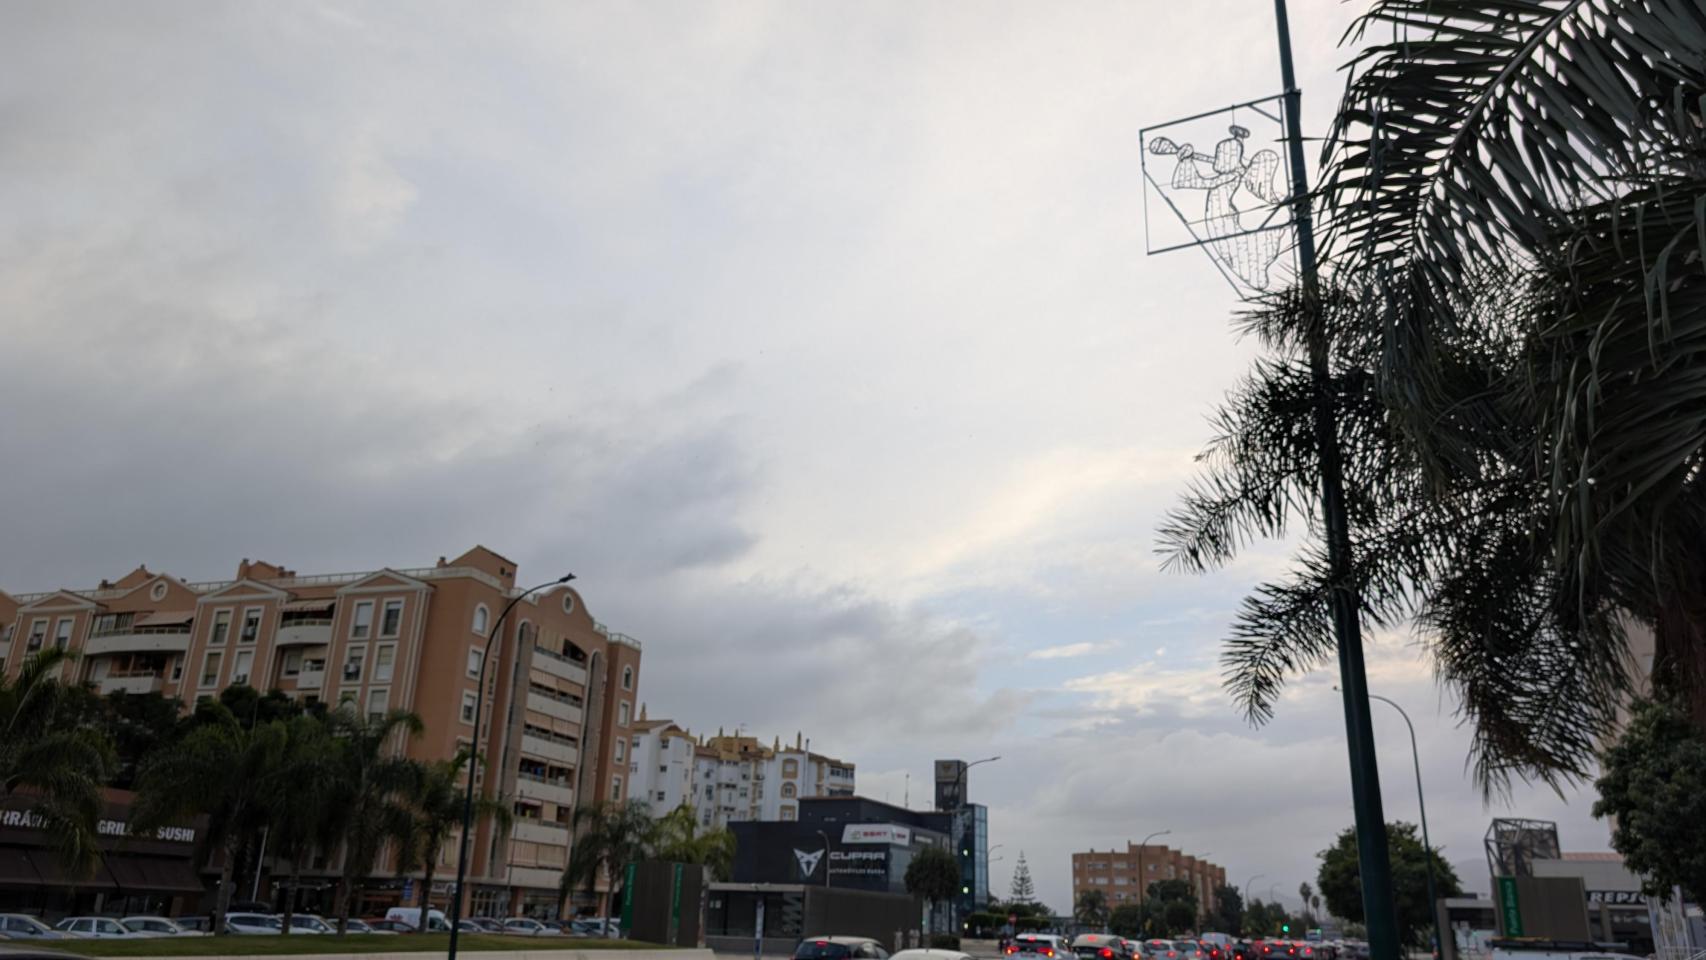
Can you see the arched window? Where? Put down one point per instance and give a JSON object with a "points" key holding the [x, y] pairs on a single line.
{"points": [[627, 678], [481, 616], [788, 791]]}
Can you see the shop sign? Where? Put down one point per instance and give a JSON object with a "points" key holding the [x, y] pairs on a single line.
{"points": [[30, 820], [859, 863], [876, 833], [1616, 897]]}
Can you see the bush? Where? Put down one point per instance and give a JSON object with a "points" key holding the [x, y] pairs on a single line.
{"points": [[944, 941]]}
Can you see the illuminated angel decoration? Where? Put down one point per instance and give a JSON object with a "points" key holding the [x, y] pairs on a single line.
{"points": [[1231, 180]]}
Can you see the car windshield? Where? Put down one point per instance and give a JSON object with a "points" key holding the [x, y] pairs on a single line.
{"points": [[822, 950]]}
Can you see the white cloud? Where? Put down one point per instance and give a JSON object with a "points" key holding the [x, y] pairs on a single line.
{"points": [[1067, 650]]}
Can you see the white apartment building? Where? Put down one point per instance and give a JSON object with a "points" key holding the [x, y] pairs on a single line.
{"points": [[728, 779]]}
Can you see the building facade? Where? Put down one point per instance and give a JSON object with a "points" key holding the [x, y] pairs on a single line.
{"points": [[1123, 875], [560, 691], [729, 779]]}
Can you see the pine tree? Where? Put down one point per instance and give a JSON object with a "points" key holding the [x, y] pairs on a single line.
{"points": [[1024, 891]]}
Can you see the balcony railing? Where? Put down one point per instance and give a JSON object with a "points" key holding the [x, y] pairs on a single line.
{"points": [[126, 630]]}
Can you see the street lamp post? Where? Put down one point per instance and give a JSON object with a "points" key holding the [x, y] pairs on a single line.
{"points": [[1247, 883], [473, 766], [1422, 807], [1143, 878]]}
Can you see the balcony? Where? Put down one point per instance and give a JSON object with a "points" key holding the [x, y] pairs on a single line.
{"points": [[541, 877], [553, 706], [540, 831], [311, 632], [138, 639], [559, 666], [131, 683], [311, 679], [530, 787], [555, 748]]}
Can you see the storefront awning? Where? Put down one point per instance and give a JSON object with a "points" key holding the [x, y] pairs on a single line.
{"points": [[15, 869], [54, 873], [171, 875]]}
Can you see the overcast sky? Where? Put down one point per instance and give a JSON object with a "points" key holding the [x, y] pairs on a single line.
{"points": [[817, 338]]}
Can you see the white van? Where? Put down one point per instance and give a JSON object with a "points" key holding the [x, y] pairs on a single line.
{"points": [[412, 916]]}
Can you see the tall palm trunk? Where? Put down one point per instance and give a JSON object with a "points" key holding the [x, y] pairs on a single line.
{"points": [[296, 859], [428, 862], [227, 866]]}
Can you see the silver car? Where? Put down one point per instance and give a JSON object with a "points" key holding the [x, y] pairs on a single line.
{"points": [[96, 928], [158, 927], [253, 924], [22, 926]]}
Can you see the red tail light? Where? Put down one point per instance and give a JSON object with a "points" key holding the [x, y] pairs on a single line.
{"points": [[1048, 951], [1106, 952], [823, 943]]}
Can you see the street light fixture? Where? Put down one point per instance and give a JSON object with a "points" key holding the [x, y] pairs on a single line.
{"points": [[1422, 806], [1247, 883], [474, 762], [1143, 878]]}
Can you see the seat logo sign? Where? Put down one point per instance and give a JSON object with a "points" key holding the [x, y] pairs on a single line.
{"points": [[808, 861]]}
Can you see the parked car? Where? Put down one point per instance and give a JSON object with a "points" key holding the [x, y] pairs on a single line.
{"points": [[196, 924], [22, 926], [1038, 945], [596, 927], [839, 948], [362, 926], [308, 923], [253, 924], [487, 924], [556, 926], [1101, 946], [469, 926], [412, 916], [159, 927], [95, 928], [387, 925], [930, 953], [527, 927]]}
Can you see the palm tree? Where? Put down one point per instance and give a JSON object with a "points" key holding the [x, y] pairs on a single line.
{"points": [[54, 768], [299, 815], [1511, 206], [677, 838], [223, 770], [435, 813], [608, 837], [373, 780], [1091, 909]]}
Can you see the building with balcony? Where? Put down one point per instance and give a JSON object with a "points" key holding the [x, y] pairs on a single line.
{"points": [[561, 687], [729, 779]]}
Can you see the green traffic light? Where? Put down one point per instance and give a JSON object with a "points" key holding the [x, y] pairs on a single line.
{"points": [[1285, 928]]}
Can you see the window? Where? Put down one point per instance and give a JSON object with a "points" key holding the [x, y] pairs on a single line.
{"points": [[177, 669], [660, 796], [62, 633], [481, 615], [787, 813], [391, 619], [361, 625], [468, 708], [382, 661], [38, 633], [292, 662], [240, 666], [615, 788], [622, 714], [475, 655], [352, 666], [621, 751], [378, 703], [627, 678], [210, 668], [221, 628]]}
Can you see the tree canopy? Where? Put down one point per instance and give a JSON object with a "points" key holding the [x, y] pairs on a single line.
{"points": [[1654, 786], [1340, 881]]}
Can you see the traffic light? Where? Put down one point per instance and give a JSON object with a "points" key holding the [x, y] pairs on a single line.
{"points": [[1285, 928]]}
